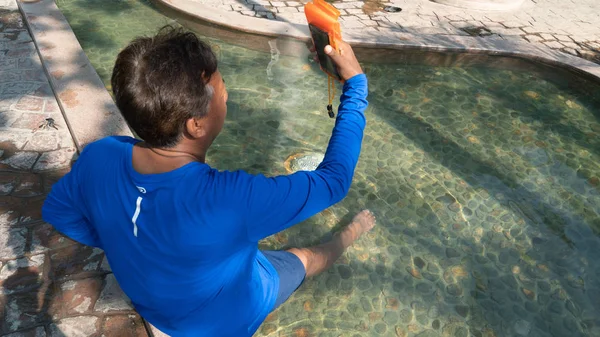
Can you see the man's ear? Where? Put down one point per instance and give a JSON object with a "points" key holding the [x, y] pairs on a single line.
{"points": [[196, 127]]}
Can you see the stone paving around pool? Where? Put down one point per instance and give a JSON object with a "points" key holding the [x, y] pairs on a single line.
{"points": [[49, 285], [570, 26]]}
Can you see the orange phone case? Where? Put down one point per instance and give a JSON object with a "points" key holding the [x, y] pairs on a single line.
{"points": [[325, 17]]}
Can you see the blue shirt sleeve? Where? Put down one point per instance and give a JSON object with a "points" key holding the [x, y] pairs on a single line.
{"points": [[277, 203], [62, 209]]}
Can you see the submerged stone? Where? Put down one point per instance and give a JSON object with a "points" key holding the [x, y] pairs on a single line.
{"points": [[303, 162]]}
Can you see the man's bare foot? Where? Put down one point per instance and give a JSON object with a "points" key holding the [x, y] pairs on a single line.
{"points": [[361, 223], [318, 258]]}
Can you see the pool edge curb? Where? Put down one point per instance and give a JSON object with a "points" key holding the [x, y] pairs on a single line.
{"points": [[387, 39]]}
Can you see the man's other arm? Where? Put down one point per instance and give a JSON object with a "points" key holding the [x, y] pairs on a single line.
{"points": [[63, 209]]}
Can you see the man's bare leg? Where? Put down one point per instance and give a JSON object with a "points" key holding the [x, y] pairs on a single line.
{"points": [[319, 258]]}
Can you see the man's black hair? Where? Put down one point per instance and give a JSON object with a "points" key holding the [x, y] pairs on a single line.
{"points": [[160, 82]]}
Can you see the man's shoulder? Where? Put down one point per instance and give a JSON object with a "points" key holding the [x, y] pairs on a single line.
{"points": [[240, 179], [108, 143], [112, 140], [237, 175], [105, 148]]}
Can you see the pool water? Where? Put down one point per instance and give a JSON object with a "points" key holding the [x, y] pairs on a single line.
{"points": [[485, 183]]}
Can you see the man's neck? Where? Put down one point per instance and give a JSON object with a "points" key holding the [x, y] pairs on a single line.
{"points": [[148, 160], [196, 150]]}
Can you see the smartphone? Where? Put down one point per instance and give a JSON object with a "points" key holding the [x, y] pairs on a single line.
{"points": [[321, 39]]}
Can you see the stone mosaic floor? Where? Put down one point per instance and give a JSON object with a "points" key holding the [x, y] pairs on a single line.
{"points": [[49, 285], [569, 26], [485, 183]]}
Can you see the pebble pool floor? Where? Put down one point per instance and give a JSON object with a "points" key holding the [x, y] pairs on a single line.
{"points": [[485, 183]]}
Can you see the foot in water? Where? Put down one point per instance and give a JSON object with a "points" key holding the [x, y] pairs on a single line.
{"points": [[361, 223], [319, 258]]}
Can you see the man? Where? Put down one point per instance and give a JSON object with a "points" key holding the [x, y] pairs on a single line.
{"points": [[180, 236]]}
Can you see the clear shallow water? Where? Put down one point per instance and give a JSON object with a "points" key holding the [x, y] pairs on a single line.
{"points": [[485, 183]]}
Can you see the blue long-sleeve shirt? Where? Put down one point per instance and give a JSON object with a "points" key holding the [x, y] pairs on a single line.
{"points": [[183, 244]]}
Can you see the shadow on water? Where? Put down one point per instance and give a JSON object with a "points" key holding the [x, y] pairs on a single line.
{"points": [[244, 151], [535, 107], [473, 284], [529, 205]]}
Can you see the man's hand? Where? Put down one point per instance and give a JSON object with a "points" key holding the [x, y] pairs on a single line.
{"points": [[345, 60]]}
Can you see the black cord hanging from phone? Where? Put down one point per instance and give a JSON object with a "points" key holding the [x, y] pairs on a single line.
{"points": [[331, 93]]}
